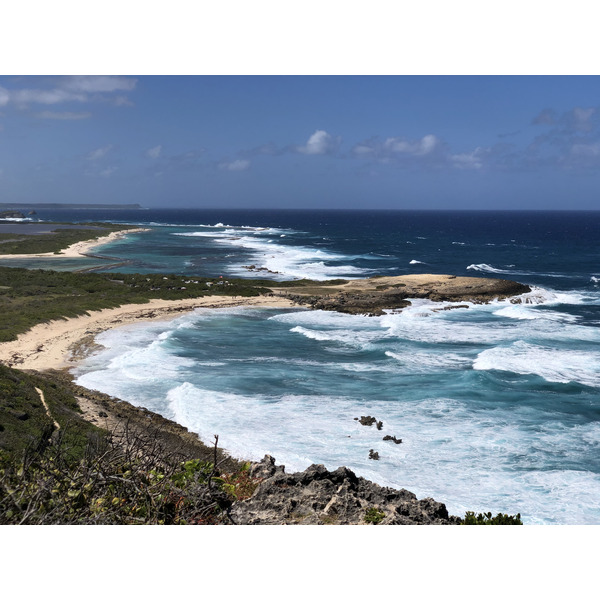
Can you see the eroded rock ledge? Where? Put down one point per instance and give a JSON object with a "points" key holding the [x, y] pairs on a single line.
{"points": [[317, 496], [374, 296]]}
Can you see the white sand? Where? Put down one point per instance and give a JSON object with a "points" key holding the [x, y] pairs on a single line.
{"points": [[50, 345], [79, 248]]}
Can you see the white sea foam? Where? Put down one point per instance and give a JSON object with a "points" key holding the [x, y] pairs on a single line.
{"points": [[416, 262], [529, 313], [553, 364], [507, 270], [353, 338], [429, 362], [278, 261], [466, 456]]}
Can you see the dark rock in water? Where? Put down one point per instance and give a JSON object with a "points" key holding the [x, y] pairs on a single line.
{"points": [[318, 496], [11, 214], [369, 420], [366, 420], [373, 455], [392, 438]]}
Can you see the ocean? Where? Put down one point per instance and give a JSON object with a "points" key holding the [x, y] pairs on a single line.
{"points": [[497, 405]]}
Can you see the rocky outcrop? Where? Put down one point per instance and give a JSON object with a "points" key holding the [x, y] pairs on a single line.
{"points": [[378, 294], [11, 214], [317, 496]]}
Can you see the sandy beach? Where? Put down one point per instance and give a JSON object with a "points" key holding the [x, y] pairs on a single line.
{"points": [[79, 248], [59, 344]]}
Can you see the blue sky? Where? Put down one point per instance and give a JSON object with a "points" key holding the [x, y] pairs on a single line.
{"points": [[434, 142]]}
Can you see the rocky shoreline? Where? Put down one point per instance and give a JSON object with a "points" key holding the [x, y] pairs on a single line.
{"points": [[315, 496], [378, 294]]}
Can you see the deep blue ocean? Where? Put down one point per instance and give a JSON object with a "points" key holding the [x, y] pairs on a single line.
{"points": [[498, 406]]}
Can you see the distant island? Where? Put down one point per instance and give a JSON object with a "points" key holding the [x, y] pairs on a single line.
{"points": [[60, 206]]}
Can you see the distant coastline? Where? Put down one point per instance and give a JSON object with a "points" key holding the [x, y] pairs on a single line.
{"points": [[79, 248], [65, 206]]}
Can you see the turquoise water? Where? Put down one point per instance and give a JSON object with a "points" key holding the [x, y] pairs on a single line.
{"points": [[497, 405]]}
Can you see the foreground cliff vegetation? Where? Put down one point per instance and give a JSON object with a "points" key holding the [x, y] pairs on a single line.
{"points": [[57, 468]]}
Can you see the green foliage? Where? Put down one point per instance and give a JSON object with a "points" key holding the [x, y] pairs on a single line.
{"points": [[374, 516], [23, 419], [59, 239], [32, 296], [193, 471], [487, 519], [239, 485], [110, 484]]}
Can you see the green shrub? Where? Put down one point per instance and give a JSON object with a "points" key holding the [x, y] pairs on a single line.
{"points": [[487, 519], [374, 516]]}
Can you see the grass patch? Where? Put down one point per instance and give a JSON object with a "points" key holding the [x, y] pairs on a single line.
{"points": [[374, 516], [59, 239], [32, 296]]}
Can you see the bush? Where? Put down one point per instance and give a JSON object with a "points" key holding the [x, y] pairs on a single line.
{"points": [[111, 484], [374, 516], [487, 519]]}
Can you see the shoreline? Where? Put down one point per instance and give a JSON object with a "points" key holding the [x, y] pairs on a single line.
{"points": [[62, 343], [79, 249]]}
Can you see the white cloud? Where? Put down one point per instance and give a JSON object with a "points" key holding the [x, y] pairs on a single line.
{"points": [[589, 150], [154, 152], [582, 118], [95, 84], [236, 165], [4, 96], [63, 116], [470, 160], [421, 147], [362, 150], [54, 96], [99, 152], [108, 171], [71, 89], [320, 142]]}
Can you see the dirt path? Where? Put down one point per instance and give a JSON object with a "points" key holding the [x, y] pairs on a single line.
{"points": [[43, 399]]}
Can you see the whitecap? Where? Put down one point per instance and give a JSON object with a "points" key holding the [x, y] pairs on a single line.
{"points": [[430, 362], [552, 364]]}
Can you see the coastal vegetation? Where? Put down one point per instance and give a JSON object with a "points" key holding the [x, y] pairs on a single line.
{"points": [[57, 240], [55, 467], [487, 519], [32, 296]]}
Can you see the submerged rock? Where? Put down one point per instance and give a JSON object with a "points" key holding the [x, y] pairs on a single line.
{"points": [[317, 496]]}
